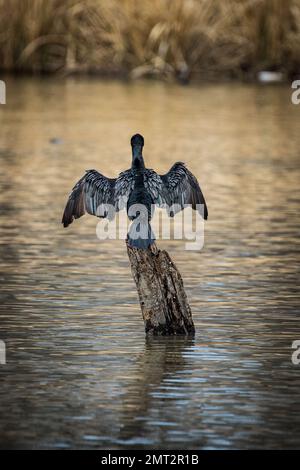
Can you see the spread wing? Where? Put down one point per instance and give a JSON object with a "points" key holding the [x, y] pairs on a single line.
{"points": [[177, 188], [88, 195], [94, 191]]}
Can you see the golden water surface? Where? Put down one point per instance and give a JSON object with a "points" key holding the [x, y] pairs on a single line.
{"points": [[79, 370]]}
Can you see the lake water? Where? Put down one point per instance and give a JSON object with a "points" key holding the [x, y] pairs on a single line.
{"points": [[80, 372]]}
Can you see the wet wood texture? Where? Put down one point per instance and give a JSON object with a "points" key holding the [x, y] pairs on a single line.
{"points": [[163, 301]]}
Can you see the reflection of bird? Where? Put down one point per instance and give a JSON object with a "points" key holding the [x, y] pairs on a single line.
{"points": [[137, 188]]}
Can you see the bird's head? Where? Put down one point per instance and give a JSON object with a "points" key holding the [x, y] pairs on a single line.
{"points": [[137, 139], [137, 144]]}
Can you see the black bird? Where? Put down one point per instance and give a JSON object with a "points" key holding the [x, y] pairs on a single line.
{"points": [[138, 185]]}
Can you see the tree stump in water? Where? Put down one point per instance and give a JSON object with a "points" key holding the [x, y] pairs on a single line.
{"points": [[163, 301]]}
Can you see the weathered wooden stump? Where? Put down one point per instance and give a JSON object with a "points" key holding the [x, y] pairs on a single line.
{"points": [[163, 301]]}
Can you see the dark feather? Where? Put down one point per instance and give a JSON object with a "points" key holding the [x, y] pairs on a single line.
{"points": [[177, 187], [183, 189], [88, 195], [123, 187]]}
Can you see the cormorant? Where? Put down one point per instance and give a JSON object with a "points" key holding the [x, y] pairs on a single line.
{"points": [[138, 185]]}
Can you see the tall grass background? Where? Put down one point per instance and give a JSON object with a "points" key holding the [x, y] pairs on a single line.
{"points": [[164, 38]]}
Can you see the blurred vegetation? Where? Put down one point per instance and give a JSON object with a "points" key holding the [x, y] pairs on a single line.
{"points": [[165, 38]]}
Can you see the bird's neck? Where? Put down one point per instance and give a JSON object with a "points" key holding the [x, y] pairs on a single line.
{"points": [[138, 163], [138, 166]]}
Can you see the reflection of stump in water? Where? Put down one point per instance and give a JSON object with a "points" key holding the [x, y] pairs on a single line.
{"points": [[163, 301], [162, 358]]}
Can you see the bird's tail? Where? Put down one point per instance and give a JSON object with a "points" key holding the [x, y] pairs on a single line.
{"points": [[140, 235]]}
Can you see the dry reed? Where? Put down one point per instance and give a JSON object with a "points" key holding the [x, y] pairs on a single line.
{"points": [[165, 38]]}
